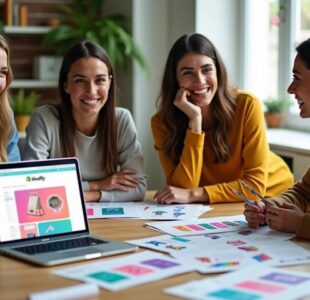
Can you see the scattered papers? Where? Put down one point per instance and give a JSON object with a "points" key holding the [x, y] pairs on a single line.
{"points": [[126, 271], [254, 282], [178, 244], [142, 210], [230, 251], [236, 254], [200, 226]]}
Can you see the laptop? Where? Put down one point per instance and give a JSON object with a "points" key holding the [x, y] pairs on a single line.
{"points": [[42, 214]]}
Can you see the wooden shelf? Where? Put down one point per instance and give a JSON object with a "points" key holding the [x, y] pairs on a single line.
{"points": [[26, 29], [33, 83]]}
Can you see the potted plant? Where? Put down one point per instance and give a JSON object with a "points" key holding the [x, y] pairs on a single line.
{"points": [[81, 21], [23, 105], [275, 109]]}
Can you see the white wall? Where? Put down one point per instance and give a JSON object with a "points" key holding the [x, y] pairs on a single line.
{"points": [[157, 24], [220, 21]]}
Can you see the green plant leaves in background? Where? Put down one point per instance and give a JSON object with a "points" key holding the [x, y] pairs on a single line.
{"points": [[274, 105], [24, 104], [82, 22]]}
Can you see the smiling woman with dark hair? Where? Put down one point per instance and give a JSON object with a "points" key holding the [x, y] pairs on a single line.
{"points": [[87, 124], [210, 136], [289, 212]]}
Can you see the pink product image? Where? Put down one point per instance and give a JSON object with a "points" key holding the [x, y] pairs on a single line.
{"points": [[34, 205], [41, 204]]}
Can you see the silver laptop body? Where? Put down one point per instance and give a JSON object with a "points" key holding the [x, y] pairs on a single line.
{"points": [[42, 214]]}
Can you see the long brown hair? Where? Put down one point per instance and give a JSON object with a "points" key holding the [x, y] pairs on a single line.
{"points": [[106, 128], [223, 105], [5, 111]]}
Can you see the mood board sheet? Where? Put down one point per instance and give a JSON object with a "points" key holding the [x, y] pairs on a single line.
{"points": [[142, 210], [251, 283], [127, 271], [179, 244], [200, 226], [229, 251]]}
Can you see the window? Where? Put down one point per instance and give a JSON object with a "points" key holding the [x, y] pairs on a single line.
{"points": [[272, 40]]}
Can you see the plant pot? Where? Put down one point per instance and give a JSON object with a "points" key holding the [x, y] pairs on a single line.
{"points": [[21, 122], [274, 119]]}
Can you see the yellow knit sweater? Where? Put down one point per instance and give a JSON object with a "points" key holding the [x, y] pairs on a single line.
{"points": [[251, 160]]}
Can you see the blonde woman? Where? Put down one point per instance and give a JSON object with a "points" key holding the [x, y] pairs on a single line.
{"points": [[9, 138]]}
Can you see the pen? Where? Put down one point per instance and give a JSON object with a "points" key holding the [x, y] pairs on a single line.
{"points": [[242, 197], [253, 191]]}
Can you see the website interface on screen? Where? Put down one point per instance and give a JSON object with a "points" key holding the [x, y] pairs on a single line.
{"points": [[39, 201]]}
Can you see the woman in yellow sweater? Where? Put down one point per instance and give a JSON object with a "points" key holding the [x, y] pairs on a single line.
{"points": [[210, 137]]}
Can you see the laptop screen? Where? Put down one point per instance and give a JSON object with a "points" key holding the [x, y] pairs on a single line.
{"points": [[40, 199]]}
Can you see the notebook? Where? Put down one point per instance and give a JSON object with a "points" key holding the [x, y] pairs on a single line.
{"points": [[42, 214]]}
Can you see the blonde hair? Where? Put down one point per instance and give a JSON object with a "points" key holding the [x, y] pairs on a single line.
{"points": [[5, 121]]}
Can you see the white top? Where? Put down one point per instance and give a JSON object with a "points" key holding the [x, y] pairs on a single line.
{"points": [[43, 141]]}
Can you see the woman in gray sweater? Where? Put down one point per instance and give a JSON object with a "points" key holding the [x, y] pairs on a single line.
{"points": [[87, 124]]}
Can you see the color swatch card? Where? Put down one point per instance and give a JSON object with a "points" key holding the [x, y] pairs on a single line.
{"points": [[215, 260], [97, 210], [142, 210], [126, 271], [200, 226], [171, 212], [171, 244], [251, 283]]}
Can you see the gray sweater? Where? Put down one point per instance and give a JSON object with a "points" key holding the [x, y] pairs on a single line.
{"points": [[43, 142]]}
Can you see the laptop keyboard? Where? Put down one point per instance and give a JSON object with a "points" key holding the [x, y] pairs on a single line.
{"points": [[60, 245]]}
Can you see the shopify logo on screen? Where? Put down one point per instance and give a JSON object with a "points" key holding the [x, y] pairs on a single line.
{"points": [[35, 178]]}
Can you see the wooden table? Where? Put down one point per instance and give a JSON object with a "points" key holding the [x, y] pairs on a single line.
{"points": [[18, 279]]}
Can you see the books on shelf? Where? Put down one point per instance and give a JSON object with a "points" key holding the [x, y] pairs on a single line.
{"points": [[8, 12], [15, 14]]}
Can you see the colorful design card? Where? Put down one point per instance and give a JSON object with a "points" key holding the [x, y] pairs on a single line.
{"points": [[171, 244], [126, 271], [250, 283], [99, 210], [201, 226], [171, 212]]}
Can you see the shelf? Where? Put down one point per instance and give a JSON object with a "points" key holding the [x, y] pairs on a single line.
{"points": [[33, 83], [26, 29]]}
